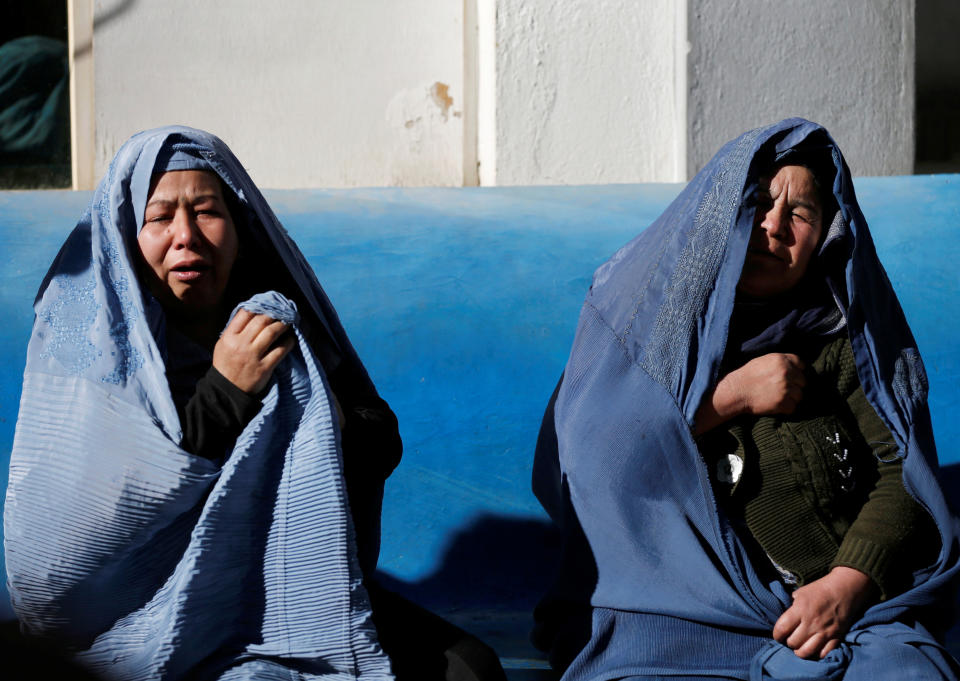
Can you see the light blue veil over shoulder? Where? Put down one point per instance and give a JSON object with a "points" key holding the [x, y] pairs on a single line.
{"points": [[664, 586], [149, 562]]}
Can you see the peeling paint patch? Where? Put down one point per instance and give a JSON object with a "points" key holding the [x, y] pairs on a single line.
{"points": [[425, 144], [441, 97], [423, 114]]}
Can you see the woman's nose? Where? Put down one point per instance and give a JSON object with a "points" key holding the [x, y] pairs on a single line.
{"points": [[184, 230], [775, 221]]}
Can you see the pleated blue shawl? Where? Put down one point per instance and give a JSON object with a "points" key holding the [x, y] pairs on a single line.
{"points": [[671, 588], [147, 561]]}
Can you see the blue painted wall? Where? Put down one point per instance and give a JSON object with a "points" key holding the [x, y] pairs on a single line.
{"points": [[463, 303]]}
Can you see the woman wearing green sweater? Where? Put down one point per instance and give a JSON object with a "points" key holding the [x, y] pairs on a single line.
{"points": [[798, 458]]}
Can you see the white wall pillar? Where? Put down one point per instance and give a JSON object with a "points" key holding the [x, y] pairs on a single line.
{"points": [[82, 112], [487, 91], [580, 91]]}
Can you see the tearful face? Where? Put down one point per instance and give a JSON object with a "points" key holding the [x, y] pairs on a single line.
{"points": [[188, 241]]}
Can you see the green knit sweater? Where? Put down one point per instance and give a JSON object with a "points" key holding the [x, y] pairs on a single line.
{"points": [[823, 486]]}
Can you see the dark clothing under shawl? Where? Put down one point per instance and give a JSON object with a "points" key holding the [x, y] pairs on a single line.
{"points": [[654, 579], [821, 486]]}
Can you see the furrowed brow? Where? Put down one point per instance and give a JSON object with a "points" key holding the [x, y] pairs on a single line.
{"points": [[161, 202], [809, 205]]}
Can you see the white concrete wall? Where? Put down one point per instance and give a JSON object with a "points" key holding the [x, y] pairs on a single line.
{"points": [[584, 91], [446, 92], [307, 94], [846, 65]]}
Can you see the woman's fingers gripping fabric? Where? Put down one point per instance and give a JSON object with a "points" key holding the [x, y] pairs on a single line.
{"points": [[279, 349], [786, 625], [254, 327], [269, 332], [239, 321], [799, 634], [247, 353], [823, 611], [812, 647], [831, 644]]}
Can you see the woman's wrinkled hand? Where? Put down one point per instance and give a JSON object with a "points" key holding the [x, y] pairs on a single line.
{"points": [[250, 348], [823, 612], [769, 384]]}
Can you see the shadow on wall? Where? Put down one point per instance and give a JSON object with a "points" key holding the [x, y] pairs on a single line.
{"points": [[489, 579]]}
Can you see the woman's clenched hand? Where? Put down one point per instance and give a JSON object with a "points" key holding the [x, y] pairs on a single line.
{"points": [[250, 348], [769, 384], [823, 612]]}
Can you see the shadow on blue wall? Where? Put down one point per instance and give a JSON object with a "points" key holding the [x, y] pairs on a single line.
{"points": [[488, 581]]}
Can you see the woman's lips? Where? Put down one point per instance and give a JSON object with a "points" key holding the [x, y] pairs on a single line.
{"points": [[763, 253], [189, 271]]}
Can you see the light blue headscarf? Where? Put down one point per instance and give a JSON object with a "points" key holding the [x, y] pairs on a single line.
{"points": [[147, 561], [668, 587]]}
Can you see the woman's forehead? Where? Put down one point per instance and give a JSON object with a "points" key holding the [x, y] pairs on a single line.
{"points": [[799, 181], [792, 173], [191, 182]]}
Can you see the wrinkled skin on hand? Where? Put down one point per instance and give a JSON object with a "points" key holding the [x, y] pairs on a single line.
{"points": [[823, 612], [769, 384], [250, 348]]}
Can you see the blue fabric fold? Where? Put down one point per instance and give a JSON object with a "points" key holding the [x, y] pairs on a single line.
{"points": [[144, 560], [617, 467]]}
